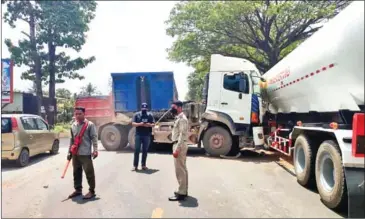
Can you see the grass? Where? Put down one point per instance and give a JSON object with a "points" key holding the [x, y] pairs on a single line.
{"points": [[62, 127]]}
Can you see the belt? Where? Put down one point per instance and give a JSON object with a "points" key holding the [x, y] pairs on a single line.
{"points": [[174, 142]]}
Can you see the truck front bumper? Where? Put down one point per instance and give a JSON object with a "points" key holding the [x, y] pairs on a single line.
{"points": [[355, 191]]}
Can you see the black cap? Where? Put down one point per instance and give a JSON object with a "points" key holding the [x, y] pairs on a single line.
{"points": [[144, 106], [178, 103]]}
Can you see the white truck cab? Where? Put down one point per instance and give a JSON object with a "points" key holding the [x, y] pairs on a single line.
{"points": [[233, 105]]}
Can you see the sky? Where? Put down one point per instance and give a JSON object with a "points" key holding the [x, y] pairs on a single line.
{"points": [[125, 36]]}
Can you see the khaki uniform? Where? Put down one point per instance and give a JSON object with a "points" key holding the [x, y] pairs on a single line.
{"points": [[180, 137]]}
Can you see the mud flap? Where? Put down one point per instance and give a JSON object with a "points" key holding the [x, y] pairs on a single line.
{"points": [[202, 128], [355, 192]]}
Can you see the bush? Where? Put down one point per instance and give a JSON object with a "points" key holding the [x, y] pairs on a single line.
{"points": [[62, 127]]}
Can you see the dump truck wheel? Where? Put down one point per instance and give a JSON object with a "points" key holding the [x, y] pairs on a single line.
{"points": [[304, 162], [131, 138], [217, 141], [330, 176], [112, 138]]}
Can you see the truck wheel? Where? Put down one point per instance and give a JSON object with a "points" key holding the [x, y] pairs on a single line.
{"points": [[217, 141], [304, 162], [131, 138], [112, 138], [330, 177]]}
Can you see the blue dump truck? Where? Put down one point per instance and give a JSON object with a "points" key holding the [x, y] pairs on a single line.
{"points": [[113, 114]]}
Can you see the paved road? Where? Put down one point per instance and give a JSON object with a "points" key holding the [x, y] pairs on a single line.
{"points": [[252, 186]]}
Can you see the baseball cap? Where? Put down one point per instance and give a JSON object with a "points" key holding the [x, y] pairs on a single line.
{"points": [[144, 106]]}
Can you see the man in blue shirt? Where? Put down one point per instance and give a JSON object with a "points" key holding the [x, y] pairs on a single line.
{"points": [[143, 121]]}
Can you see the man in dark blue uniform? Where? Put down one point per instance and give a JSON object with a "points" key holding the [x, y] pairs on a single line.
{"points": [[143, 121]]}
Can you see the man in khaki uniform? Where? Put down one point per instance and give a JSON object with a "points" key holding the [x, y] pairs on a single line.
{"points": [[180, 149]]}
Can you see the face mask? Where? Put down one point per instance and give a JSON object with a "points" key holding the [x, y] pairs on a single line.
{"points": [[144, 112], [173, 111]]}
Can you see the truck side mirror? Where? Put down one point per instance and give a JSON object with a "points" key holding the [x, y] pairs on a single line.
{"points": [[243, 85]]}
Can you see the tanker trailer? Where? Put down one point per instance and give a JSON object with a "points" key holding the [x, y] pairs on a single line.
{"points": [[315, 110]]}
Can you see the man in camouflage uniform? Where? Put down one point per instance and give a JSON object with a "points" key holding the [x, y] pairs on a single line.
{"points": [[82, 160], [180, 148]]}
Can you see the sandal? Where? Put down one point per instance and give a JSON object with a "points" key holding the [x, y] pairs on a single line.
{"points": [[75, 194], [89, 195]]}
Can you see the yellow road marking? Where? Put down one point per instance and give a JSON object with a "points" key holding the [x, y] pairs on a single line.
{"points": [[157, 213]]}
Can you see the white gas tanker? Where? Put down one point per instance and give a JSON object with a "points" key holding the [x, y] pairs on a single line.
{"points": [[310, 106], [326, 72]]}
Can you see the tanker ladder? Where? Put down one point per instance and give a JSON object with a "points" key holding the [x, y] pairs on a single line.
{"points": [[279, 143]]}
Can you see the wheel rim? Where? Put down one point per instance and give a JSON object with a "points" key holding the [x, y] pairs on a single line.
{"points": [[300, 160], [216, 141], [24, 158], [111, 137], [327, 173]]}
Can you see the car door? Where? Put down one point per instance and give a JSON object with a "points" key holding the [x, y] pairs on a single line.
{"points": [[45, 133], [32, 139], [235, 98]]}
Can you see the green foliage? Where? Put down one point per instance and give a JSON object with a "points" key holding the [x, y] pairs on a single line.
{"points": [[89, 90], [62, 127], [262, 32], [58, 24], [65, 105]]}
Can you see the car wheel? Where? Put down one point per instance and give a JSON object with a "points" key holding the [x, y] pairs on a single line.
{"points": [[55, 147], [23, 158]]}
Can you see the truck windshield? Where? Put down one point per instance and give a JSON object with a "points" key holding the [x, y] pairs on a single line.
{"points": [[255, 77]]}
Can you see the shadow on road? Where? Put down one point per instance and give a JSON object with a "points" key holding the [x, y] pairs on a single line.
{"points": [[148, 172], [80, 200], [11, 165], [246, 155], [189, 202]]}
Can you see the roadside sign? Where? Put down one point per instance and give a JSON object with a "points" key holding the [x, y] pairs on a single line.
{"points": [[6, 81]]}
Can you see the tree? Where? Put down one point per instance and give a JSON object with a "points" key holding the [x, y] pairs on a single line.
{"points": [[65, 105], [63, 93], [89, 90], [64, 24], [33, 90], [262, 32], [58, 24], [27, 52]]}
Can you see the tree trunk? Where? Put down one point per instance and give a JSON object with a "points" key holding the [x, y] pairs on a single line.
{"points": [[36, 59], [52, 80]]}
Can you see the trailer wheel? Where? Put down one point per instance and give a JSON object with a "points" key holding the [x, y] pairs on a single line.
{"points": [[112, 138], [330, 176], [304, 162], [131, 138], [217, 141]]}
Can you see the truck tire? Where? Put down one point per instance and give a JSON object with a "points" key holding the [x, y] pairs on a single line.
{"points": [[113, 138], [304, 162], [217, 141], [131, 138], [330, 176]]}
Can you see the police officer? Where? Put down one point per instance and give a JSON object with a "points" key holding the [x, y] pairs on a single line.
{"points": [[143, 121], [180, 149]]}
